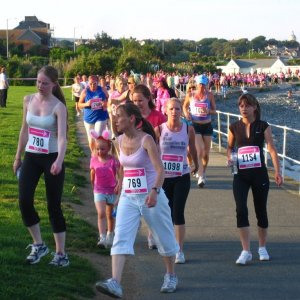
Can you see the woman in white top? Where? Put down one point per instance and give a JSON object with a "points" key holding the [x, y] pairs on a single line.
{"points": [[43, 136]]}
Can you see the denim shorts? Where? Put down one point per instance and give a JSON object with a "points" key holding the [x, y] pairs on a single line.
{"points": [[108, 198]]}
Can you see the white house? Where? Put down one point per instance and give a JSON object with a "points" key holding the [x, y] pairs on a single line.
{"points": [[245, 66]]}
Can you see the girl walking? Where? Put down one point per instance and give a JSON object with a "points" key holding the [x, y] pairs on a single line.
{"points": [[104, 170]]}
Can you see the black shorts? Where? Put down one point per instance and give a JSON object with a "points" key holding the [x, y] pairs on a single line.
{"points": [[76, 98], [203, 129]]}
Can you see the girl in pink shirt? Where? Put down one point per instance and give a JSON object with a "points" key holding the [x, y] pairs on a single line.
{"points": [[104, 169]]}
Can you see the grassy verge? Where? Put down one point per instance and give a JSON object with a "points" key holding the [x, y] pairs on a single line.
{"points": [[21, 281]]}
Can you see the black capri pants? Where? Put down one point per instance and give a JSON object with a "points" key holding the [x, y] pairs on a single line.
{"points": [[177, 190], [33, 166], [258, 180]]}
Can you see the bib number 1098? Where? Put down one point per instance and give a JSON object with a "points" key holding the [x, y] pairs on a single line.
{"points": [[171, 166]]}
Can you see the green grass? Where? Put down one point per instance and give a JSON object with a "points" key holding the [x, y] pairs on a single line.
{"points": [[21, 281]]}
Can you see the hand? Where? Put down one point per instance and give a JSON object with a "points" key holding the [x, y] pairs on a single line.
{"points": [[16, 165], [229, 163], [278, 179], [55, 168], [151, 199]]}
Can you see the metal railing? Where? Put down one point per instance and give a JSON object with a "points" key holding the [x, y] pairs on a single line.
{"points": [[223, 129]]}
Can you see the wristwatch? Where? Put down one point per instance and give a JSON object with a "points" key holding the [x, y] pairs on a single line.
{"points": [[157, 189]]}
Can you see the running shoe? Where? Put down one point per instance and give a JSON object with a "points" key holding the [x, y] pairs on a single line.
{"points": [[244, 258], [110, 287], [180, 259], [60, 260], [170, 283], [37, 252], [151, 243], [263, 254], [101, 242], [201, 181], [109, 240]]}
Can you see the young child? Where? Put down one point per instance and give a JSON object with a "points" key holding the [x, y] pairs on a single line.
{"points": [[104, 169]]}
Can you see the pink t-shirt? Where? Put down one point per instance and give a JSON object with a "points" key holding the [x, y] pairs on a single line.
{"points": [[105, 174], [162, 97], [155, 118]]}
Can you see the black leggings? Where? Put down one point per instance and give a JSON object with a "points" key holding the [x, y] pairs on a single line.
{"points": [[258, 180], [177, 190], [32, 168]]}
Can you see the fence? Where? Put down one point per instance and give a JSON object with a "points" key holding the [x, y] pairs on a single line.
{"points": [[284, 140]]}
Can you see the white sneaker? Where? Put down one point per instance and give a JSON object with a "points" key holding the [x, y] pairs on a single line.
{"points": [[109, 240], [244, 258], [102, 242], [151, 243], [263, 254], [201, 181], [170, 284], [78, 114], [180, 259], [110, 287]]}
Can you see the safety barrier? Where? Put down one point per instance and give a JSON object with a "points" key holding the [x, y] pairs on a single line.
{"points": [[284, 140]]}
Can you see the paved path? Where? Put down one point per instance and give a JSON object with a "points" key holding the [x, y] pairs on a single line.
{"points": [[212, 246]]}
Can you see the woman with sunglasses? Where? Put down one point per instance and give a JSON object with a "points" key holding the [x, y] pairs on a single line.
{"points": [[198, 107]]}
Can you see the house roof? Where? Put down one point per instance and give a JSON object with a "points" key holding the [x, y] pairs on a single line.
{"points": [[27, 33], [32, 22], [255, 63]]}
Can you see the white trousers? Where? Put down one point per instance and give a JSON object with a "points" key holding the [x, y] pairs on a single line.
{"points": [[158, 219]]}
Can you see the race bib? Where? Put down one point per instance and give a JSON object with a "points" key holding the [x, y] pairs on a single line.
{"points": [[199, 109], [96, 103], [249, 157], [135, 181], [38, 140], [173, 164]]}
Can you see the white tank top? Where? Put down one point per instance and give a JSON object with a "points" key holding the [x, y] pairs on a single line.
{"points": [[47, 123]]}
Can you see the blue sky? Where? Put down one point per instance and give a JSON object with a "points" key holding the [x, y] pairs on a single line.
{"points": [[161, 19]]}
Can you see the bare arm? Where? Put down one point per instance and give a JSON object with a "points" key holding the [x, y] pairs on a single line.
{"points": [[274, 156], [61, 114], [212, 110], [81, 103], [152, 151], [186, 106], [118, 100], [230, 146], [92, 177], [23, 136]]}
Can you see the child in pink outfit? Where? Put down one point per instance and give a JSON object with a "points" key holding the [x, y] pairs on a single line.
{"points": [[104, 169]]}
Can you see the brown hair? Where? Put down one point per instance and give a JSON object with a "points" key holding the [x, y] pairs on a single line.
{"points": [[52, 74], [140, 122], [144, 90], [252, 101]]}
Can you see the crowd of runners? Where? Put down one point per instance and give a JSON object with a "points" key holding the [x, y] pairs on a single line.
{"points": [[145, 144]]}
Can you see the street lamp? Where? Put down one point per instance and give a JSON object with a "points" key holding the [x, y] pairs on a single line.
{"points": [[74, 41], [7, 53], [7, 50]]}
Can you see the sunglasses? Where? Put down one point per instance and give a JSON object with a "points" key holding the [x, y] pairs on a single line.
{"points": [[130, 82]]}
